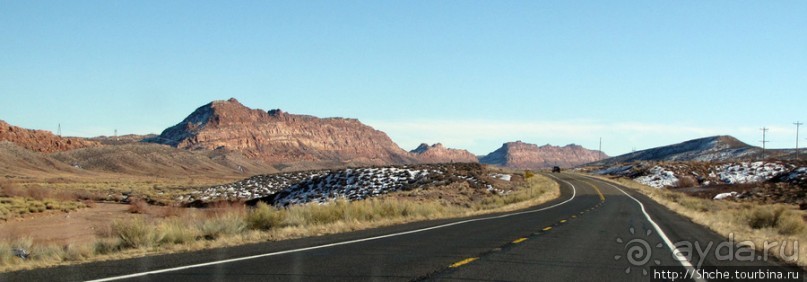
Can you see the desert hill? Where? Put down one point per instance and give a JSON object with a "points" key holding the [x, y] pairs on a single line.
{"points": [[712, 149], [16, 161], [160, 160]]}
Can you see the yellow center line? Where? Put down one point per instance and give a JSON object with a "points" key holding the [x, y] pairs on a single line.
{"points": [[602, 197], [574, 216], [548, 228], [519, 240], [463, 262], [562, 221]]}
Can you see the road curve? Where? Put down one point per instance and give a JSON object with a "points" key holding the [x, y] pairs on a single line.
{"points": [[588, 234]]}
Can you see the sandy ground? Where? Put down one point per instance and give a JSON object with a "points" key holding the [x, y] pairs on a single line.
{"points": [[77, 227]]}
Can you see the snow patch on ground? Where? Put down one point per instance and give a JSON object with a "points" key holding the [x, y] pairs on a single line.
{"points": [[745, 172], [668, 174], [658, 177], [505, 177], [327, 185], [723, 196]]}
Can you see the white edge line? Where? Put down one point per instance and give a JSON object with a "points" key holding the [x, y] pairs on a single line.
{"points": [[139, 274], [677, 254]]}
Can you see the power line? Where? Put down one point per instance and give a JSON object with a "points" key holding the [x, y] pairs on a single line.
{"points": [[764, 130], [797, 124]]}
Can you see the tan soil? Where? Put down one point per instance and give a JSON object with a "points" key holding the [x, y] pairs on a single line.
{"points": [[77, 227]]}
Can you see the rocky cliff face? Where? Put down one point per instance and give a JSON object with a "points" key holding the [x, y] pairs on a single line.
{"points": [[437, 153], [279, 137], [530, 156], [41, 140]]}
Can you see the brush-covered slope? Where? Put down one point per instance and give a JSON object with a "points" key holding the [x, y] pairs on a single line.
{"points": [[16, 161], [160, 160], [715, 148]]}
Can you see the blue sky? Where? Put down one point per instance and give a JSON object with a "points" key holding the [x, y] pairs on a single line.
{"points": [[469, 74]]}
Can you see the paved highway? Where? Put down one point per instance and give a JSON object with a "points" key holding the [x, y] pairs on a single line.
{"points": [[593, 232]]}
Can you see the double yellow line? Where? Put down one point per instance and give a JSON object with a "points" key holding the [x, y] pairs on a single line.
{"points": [[602, 197]]}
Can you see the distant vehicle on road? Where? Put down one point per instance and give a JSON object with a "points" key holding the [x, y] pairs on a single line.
{"points": [[555, 169]]}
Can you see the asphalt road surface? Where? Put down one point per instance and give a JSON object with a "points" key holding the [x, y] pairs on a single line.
{"points": [[594, 231]]}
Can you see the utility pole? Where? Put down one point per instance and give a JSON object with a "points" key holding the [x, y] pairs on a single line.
{"points": [[797, 124], [764, 130], [116, 135], [59, 130], [600, 149]]}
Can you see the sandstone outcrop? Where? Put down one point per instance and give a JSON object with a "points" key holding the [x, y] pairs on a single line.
{"points": [[530, 156], [41, 140], [437, 153], [278, 137]]}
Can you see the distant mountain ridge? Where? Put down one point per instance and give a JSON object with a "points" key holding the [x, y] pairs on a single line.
{"points": [[714, 148], [530, 156]]}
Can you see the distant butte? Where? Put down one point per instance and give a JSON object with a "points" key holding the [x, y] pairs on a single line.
{"points": [[530, 156], [278, 137]]}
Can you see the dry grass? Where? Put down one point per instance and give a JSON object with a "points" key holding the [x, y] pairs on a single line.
{"points": [[18, 206], [744, 221], [228, 224]]}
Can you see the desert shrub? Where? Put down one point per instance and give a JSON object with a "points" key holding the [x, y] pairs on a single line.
{"points": [[77, 252], [36, 206], [672, 196], [222, 224], [686, 181], [135, 233], [695, 204], [171, 211], [528, 174], [138, 206], [790, 224], [88, 203], [782, 219], [7, 254], [264, 217], [47, 253], [10, 189], [764, 217], [177, 231], [107, 245], [5, 213]]}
